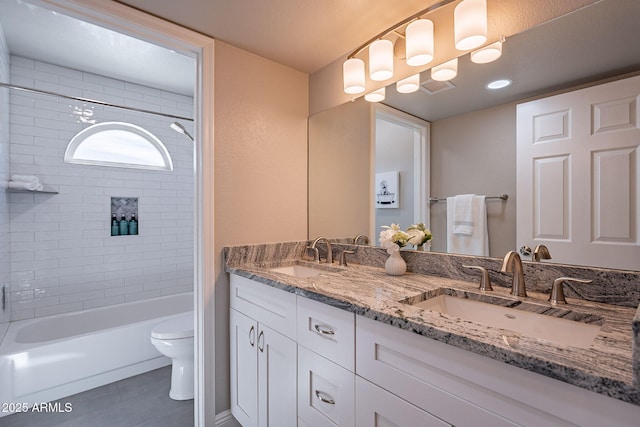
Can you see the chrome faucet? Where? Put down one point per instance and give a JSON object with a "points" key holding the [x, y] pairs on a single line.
{"points": [[329, 250], [513, 264], [540, 252], [362, 237]]}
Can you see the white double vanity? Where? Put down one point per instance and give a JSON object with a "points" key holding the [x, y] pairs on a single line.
{"points": [[343, 347]]}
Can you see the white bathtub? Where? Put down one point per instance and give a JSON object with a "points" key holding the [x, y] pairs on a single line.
{"points": [[51, 357]]}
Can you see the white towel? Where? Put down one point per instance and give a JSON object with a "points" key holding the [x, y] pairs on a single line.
{"points": [[478, 242], [463, 218], [24, 185], [25, 178]]}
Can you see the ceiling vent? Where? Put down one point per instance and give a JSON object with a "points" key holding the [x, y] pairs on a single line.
{"points": [[432, 87]]}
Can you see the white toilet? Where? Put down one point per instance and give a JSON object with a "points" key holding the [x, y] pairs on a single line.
{"points": [[174, 339]]}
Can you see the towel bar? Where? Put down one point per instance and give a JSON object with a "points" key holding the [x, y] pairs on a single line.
{"points": [[501, 197]]}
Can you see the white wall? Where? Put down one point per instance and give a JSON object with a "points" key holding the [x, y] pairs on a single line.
{"points": [[63, 257], [5, 254]]}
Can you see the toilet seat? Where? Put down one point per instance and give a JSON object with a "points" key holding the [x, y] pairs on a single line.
{"points": [[180, 326]]}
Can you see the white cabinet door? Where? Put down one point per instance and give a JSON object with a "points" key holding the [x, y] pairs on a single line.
{"points": [[326, 391], [244, 368], [376, 407], [277, 370], [578, 180]]}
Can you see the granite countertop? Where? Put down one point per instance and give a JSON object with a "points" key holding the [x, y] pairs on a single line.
{"points": [[606, 367]]}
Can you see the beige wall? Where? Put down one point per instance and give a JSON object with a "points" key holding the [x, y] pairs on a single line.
{"points": [[476, 153], [260, 129], [339, 171]]}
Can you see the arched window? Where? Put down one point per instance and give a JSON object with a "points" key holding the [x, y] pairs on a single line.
{"points": [[118, 144]]}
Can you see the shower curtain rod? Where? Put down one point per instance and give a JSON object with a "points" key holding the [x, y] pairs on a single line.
{"points": [[106, 104]]}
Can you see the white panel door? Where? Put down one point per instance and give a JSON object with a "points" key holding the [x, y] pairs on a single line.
{"points": [[578, 180]]}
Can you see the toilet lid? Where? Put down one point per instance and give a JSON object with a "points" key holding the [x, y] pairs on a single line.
{"points": [[180, 326]]}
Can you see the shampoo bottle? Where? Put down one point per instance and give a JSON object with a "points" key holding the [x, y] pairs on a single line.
{"points": [[133, 225], [124, 226], [115, 227]]}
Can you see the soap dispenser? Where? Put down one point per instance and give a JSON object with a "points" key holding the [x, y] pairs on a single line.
{"points": [[124, 226], [115, 227], [133, 225]]}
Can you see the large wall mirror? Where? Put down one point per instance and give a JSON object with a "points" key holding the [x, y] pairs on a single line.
{"points": [[473, 130]]}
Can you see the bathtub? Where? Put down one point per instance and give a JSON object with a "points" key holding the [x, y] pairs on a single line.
{"points": [[52, 357]]}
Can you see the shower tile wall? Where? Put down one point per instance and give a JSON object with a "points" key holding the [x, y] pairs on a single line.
{"points": [[4, 174], [62, 255]]}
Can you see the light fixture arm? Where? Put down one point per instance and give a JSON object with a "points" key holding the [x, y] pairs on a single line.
{"points": [[389, 30]]}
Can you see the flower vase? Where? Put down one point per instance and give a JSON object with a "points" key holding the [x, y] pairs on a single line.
{"points": [[395, 265]]}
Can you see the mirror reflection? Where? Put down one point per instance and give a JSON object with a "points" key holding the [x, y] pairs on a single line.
{"points": [[472, 133]]}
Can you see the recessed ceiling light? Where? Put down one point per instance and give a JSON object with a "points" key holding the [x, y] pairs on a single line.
{"points": [[499, 84]]}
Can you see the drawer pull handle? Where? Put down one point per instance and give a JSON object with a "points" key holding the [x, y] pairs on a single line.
{"points": [[252, 336], [320, 395], [323, 331], [261, 341]]}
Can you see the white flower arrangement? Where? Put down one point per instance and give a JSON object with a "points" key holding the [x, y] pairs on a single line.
{"points": [[392, 238]]}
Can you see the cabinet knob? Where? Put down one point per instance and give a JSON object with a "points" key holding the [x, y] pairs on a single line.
{"points": [[321, 395], [322, 330]]}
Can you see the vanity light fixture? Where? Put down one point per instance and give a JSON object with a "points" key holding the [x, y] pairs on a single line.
{"points": [[409, 85], [446, 71], [470, 24], [488, 53], [499, 84], [376, 95], [416, 34]]}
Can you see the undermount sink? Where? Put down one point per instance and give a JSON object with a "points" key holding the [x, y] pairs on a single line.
{"points": [[528, 319], [300, 271]]}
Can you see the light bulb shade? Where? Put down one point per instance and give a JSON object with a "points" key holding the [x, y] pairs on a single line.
{"points": [[419, 39], [470, 24], [446, 71], [381, 60], [376, 95], [487, 54], [409, 85], [353, 76]]}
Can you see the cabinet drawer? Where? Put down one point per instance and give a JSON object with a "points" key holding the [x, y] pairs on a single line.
{"points": [[327, 331], [274, 307], [377, 407], [326, 391]]}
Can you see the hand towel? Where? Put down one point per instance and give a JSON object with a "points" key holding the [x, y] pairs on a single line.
{"points": [[463, 218], [478, 242], [23, 185], [25, 178]]}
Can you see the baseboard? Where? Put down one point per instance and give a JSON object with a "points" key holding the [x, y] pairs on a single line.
{"points": [[225, 419]]}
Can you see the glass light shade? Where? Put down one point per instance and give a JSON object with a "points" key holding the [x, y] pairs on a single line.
{"points": [[419, 39], [446, 71], [376, 95], [353, 76], [381, 60], [409, 85], [470, 24], [487, 54]]}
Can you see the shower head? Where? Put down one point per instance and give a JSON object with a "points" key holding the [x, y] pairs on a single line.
{"points": [[180, 129]]}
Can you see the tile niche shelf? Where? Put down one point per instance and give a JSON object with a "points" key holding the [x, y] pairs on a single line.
{"points": [[45, 190]]}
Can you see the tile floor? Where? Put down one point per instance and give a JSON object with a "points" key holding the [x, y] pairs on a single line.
{"points": [[142, 400]]}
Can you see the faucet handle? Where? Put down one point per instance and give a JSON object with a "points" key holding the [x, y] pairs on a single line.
{"points": [[485, 281], [343, 257], [557, 289]]}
